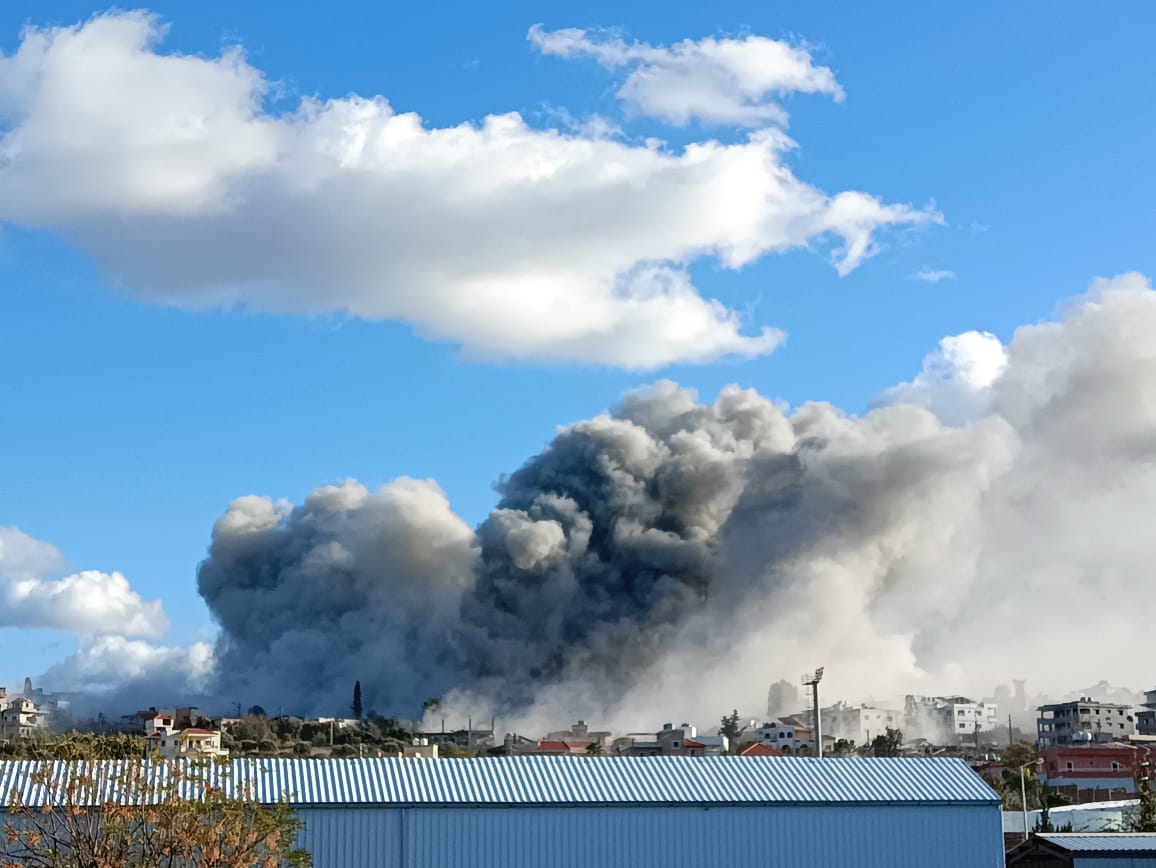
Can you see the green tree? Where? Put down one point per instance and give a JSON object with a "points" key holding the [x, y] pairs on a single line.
{"points": [[844, 747], [888, 743], [729, 726], [1017, 756], [594, 749], [76, 745], [257, 711], [1144, 820], [163, 814], [356, 707]]}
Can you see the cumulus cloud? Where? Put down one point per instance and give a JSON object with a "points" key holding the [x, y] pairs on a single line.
{"points": [[930, 275], [87, 602], [108, 663], [719, 81], [670, 557], [513, 241], [956, 379]]}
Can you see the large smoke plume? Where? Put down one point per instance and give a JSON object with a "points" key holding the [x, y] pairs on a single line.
{"points": [[674, 557]]}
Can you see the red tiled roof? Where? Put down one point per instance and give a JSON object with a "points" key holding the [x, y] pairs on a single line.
{"points": [[563, 746], [759, 749], [690, 742]]}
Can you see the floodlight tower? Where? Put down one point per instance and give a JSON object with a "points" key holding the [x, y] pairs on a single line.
{"points": [[812, 679]]}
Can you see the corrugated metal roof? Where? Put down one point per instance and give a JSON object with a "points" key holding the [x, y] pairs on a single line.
{"points": [[554, 780], [1103, 842]]}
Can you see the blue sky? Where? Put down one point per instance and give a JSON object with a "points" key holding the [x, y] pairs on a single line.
{"points": [[127, 427]]}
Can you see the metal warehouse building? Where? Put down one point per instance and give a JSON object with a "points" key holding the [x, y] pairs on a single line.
{"points": [[634, 812], [1103, 850]]}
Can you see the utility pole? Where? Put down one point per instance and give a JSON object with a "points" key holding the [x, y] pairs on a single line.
{"points": [[812, 680], [1009, 731]]}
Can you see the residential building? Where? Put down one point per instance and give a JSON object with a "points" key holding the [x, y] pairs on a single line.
{"points": [[420, 748], [781, 698], [1083, 721], [1146, 717], [171, 743], [789, 735], [467, 739], [580, 734], [682, 740], [756, 748], [1090, 773], [558, 747], [949, 720], [859, 723], [21, 718]]}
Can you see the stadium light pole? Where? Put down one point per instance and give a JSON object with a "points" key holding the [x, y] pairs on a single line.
{"points": [[812, 680], [1024, 792]]}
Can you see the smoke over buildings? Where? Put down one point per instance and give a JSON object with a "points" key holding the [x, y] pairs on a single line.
{"points": [[679, 554]]}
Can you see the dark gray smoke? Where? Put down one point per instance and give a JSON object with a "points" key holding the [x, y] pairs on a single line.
{"points": [[673, 556]]}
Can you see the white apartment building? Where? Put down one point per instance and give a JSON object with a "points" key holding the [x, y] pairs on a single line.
{"points": [[859, 723], [787, 736], [949, 720]]}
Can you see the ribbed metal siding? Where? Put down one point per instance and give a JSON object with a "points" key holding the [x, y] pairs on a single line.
{"points": [[1115, 842], [654, 837], [582, 780]]}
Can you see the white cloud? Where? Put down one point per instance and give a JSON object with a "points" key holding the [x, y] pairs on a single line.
{"points": [[928, 275], [720, 81], [83, 603], [108, 663], [516, 242], [956, 379]]}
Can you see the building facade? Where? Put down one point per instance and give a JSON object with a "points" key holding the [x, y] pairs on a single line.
{"points": [[859, 723], [1083, 722], [171, 743], [671, 740], [1093, 773], [20, 718], [949, 720]]}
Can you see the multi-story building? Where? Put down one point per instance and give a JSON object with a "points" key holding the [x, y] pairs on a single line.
{"points": [[948, 720], [790, 735], [580, 734], [859, 723], [1146, 718], [671, 740], [1091, 773], [1083, 722], [21, 718], [172, 743]]}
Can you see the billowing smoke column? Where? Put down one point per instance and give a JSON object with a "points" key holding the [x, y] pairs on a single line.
{"points": [[673, 556]]}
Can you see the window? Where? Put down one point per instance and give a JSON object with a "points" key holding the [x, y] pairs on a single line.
{"points": [[1068, 766], [675, 745], [1115, 767]]}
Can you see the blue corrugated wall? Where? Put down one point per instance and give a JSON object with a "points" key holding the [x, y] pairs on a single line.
{"points": [[908, 836]]}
